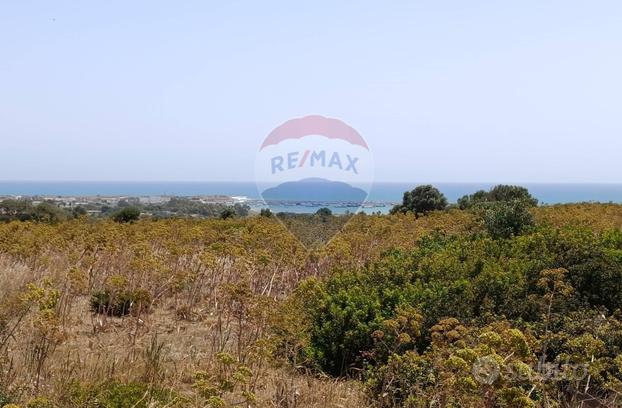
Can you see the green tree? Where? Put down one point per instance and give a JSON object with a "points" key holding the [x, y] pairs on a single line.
{"points": [[48, 212], [78, 212], [324, 212], [241, 210], [499, 193], [470, 200], [421, 200], [16, 210], [503, 192], [228, 213], [126, 214]]}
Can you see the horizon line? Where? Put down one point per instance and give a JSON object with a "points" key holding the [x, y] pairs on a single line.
{"points": [[268, 181]]}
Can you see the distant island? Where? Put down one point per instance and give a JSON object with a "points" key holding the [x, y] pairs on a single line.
{"points": [[315, 189]]}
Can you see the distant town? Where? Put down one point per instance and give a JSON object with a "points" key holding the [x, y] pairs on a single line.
{"points": [[164, 206], [98, 203]]}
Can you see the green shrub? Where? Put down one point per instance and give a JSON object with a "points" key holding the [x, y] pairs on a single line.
{"points": [[324, 212], [126, 214], [5, 398], [455, 370], [121, 395], [347, 309], [228, 213], [398, 382], [79, 211], [120, 303], [473, 279], [594, 264], [40, 402], [507, 219]]}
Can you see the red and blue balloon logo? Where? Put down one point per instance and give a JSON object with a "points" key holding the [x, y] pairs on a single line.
{"points": [[314, 162]]}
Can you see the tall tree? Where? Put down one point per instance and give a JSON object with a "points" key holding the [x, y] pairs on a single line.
{"points": [[421, 200], [500, 193]]}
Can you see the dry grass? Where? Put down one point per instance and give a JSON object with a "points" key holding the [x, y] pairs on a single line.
{"points": [[97, 348], [13, 277], [213, 285], [597, 217]]}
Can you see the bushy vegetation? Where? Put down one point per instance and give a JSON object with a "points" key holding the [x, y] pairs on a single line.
{"points": [[324, 212], [504, 210], [417, 323], [23, 210], [120, 303], [4, 399], [126, 214], [120, 395], [499, 193], [314, 230], [422, 200], [126, 210], [179, 206], [506, 219], [501, 305]]}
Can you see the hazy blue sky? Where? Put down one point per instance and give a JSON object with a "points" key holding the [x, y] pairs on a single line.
{"points": [[526, 90]]}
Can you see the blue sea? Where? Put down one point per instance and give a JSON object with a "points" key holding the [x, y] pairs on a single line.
{"points": [[380, 192]]}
